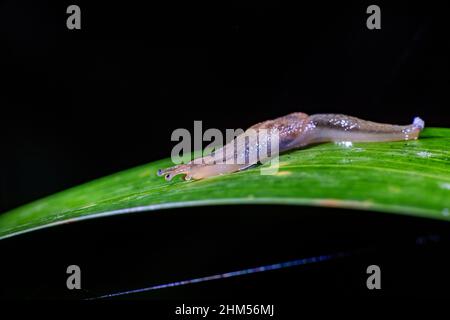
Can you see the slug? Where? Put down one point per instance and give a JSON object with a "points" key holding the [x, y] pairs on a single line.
{"points": [[294, 131]]}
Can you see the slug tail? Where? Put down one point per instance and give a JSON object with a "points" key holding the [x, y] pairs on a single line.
{"points": [[418, 123]]}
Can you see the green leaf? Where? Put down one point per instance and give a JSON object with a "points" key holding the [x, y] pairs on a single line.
{"points": [[411, 177]]}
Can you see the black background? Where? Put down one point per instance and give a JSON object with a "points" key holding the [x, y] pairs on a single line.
{"points": [[81, 104]]}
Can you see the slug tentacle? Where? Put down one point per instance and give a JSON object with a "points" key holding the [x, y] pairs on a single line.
{"points": [[294, 130]]}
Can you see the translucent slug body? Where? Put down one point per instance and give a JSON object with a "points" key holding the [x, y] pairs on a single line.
{"points": [[294, 130]]}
